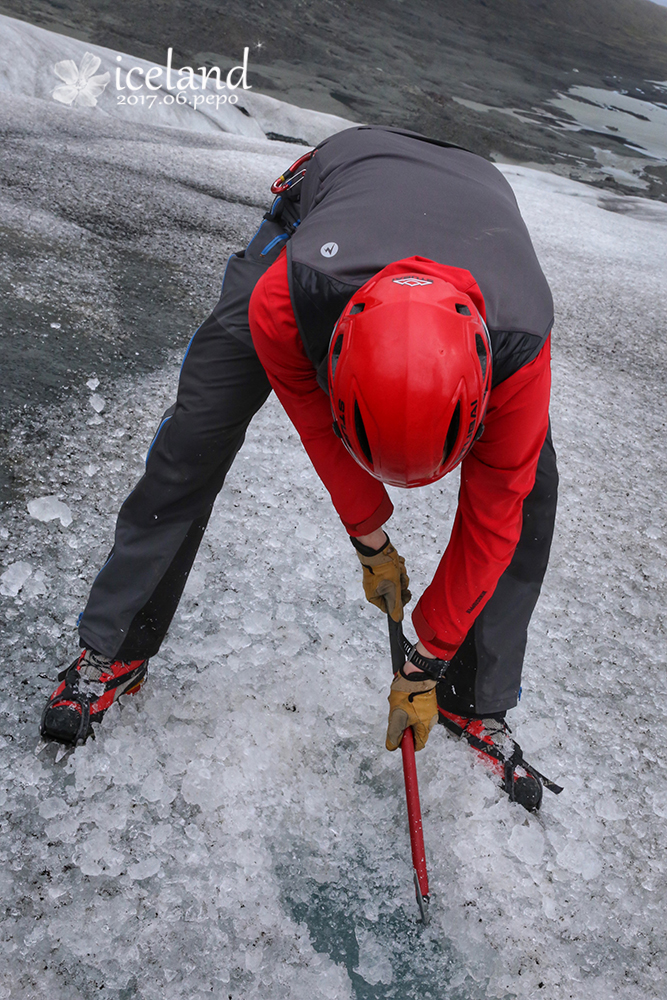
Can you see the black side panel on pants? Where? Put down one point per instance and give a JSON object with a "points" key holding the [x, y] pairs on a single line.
{"points": [[160, 526], [485, 674]]}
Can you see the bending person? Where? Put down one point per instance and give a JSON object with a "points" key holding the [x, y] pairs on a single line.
{"points": [[393, 300]]}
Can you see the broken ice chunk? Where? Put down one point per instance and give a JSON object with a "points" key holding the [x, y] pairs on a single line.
{"points": [[97, 403], [35, 586], [144, 869], [48, 508], [257, 623], [306, 530], [51, 807], [527, 843], [374, 959], [14, 577]]}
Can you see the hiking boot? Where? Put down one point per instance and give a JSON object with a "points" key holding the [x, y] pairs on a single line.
{"points": [[89, 687], [491, 740]]}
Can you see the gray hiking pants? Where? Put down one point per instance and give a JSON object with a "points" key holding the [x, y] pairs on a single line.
{"points": [[161, 524]]}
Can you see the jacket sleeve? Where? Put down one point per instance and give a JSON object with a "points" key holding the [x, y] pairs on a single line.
{"points": [[496, 476], [361, 501]]}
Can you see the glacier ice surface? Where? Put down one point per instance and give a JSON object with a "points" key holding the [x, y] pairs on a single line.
{"points": [[237, 829]]}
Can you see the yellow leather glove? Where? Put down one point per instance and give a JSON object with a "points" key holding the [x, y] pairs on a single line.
{"points": [[385, 580], [411, 703]]}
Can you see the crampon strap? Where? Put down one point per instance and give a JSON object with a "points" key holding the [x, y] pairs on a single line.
{"points": [[510, 765]]}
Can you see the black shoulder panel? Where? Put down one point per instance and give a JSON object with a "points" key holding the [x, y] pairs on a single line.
{"points": [[512, 350], [318, 300]]}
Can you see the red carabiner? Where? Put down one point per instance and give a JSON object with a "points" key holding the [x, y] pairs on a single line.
{"points": [[291, 177]]}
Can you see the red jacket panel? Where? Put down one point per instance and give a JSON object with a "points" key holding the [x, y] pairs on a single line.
{"points": [[496, 477], [362, 502]]}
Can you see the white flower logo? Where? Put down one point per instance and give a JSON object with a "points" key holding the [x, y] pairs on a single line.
{"points": [[80, 86]]}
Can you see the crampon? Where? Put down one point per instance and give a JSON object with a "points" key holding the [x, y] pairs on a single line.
{"points": [[492, 742], [89, 686]]}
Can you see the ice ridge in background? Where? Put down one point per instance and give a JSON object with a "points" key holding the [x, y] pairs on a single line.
{"points": [[29, 56]]}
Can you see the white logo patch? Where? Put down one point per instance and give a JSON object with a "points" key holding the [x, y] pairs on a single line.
{"points": [[412, 280], [329, 249]]}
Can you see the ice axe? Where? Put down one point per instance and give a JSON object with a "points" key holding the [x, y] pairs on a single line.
{"points": [[411, 785]]}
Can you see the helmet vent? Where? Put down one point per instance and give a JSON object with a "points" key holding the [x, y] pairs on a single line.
{"points": [[358, 307], [452, 434], [335, 354], [481, 352], [362, 437], [460, 308]]}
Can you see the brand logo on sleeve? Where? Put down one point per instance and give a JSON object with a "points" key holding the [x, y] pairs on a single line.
{"points": [[329, 249]]}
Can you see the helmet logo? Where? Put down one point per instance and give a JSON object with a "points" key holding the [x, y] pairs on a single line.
{"points": [[329, 249], [412, 280]]}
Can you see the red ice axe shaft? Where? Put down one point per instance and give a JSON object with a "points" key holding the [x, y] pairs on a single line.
{"points": [[415, 822], [411, 786]]}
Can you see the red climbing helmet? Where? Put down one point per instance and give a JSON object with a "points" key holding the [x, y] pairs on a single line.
{"points": [[409, 376]]}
